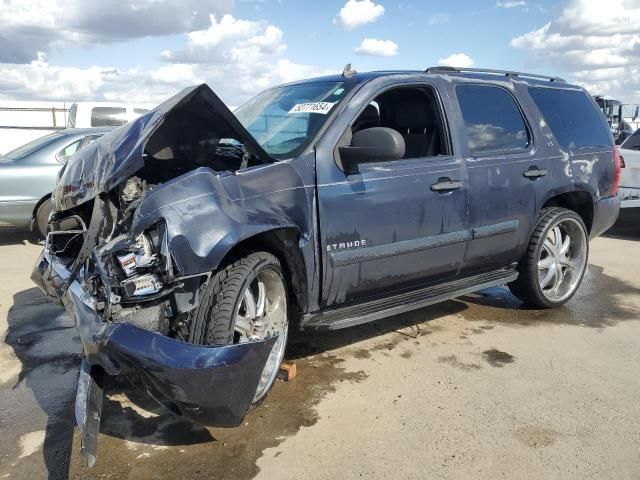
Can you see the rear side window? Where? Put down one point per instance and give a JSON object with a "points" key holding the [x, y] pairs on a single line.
{"points": [[574, 120], [65, 153], [108, 116], [492, 119]]}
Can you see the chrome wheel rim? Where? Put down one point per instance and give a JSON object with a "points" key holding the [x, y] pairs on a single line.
{"points": [[563, 259], [261, 314]]}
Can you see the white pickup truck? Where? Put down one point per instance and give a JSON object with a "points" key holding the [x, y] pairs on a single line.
{"points": [[629, 191], [21, 122]]}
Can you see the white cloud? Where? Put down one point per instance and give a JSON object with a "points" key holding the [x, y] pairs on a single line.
{"points": [[596, 43], [32, 26], [436, 18], [511, 3], [234, 83], [377, 48], [461, 60], [355, 13], [229, 39], [239, 58], [236, 57], [41, 80]]}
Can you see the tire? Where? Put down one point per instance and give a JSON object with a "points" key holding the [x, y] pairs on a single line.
{"points": [[216, 320], [554, 264], [42, 218]]}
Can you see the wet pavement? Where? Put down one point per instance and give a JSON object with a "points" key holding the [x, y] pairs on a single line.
{"points": [[475, 387]]}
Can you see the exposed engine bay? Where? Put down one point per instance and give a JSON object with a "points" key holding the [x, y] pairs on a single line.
{"points": [[132, 279], [129, 280], [143, 219]]}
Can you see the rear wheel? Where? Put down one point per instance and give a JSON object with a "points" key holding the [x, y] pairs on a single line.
{"points": [[553, 267], [42, 218], [244, 302]]}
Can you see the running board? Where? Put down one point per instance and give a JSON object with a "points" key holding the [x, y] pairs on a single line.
{"points": [[344, 317]]}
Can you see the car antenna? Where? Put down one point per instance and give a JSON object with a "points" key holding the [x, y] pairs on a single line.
{"points": [[347, 72]]}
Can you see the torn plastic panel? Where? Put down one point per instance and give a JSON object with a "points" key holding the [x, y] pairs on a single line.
{"points": [[213, 385], [182, 129]]}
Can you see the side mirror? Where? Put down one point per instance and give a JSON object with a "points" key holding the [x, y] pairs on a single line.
{"points": [[376, 144]]}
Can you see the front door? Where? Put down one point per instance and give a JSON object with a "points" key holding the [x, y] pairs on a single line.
{"points": [[396, 224]]}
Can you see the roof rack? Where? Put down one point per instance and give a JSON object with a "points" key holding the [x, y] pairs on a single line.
{"points": [[507, 73]]}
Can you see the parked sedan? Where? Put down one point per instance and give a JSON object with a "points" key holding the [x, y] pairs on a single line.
{"points": [[629, 191], [28, 175]]}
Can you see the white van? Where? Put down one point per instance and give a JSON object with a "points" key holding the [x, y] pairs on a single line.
{"points": [[22, 122], [104, 114]]}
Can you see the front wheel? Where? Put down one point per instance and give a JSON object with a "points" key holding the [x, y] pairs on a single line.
{"points": [[556, 259], [42, 218], [244, 302]]}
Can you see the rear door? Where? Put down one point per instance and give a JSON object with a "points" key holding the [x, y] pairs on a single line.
{"points": [[504, 173], [387, 228], [578, 132]]}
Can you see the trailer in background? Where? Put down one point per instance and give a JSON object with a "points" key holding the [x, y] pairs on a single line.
{"points": [[22, 122]]}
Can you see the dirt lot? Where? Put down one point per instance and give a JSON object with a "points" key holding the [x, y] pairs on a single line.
{"points": [[472, 388]]}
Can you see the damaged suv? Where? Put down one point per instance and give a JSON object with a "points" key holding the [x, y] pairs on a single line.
{"points": [[188, 242]]}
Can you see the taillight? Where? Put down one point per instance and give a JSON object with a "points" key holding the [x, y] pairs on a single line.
{"points": [[617, 167]]}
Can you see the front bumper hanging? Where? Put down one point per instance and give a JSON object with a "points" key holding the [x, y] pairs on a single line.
{"points": [[212, 385]]}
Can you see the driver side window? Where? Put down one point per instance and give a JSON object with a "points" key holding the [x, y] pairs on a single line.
{"points": [[414, 113]]}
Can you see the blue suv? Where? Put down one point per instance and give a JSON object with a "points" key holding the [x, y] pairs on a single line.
{"points": [[188, 242]]}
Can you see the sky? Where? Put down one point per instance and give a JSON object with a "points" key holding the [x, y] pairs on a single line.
{"points": [[147, 50]]}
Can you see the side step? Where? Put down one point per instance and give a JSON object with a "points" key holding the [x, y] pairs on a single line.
{"points": [[344, 317]]}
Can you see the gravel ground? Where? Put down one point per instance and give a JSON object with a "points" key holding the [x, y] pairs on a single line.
{"points": [[472, 388]]}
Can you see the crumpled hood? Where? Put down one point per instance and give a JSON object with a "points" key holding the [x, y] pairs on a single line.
{"points": [[113, 158]]}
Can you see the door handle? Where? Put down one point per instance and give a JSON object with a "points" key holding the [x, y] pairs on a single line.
{"points": [[534, 172], [445, 184]]}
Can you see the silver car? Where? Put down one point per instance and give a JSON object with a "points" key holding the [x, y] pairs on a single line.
{"points": [[629, 191], [28, 175]]}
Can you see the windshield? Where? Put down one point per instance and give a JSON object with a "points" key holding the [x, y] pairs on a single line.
{"points": [[31, 147], [284, 120]]}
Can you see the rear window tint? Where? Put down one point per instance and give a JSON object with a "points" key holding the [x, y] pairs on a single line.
{"points": [[108, 116], [492, 119], [572, 117]]}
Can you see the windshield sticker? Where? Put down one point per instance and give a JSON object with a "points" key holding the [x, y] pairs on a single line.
{"points": [[312, 107]]}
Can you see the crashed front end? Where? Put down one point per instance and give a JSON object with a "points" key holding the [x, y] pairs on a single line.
{"points": [[131, 243]]}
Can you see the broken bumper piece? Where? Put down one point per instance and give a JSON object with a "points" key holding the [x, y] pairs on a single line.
{"points": [[211, 385]]}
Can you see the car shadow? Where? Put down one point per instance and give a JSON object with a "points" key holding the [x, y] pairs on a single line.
{"points": [[413, 323], [498, 304], [11, 236], [627, 227], [45, 341], [43, 338]]}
